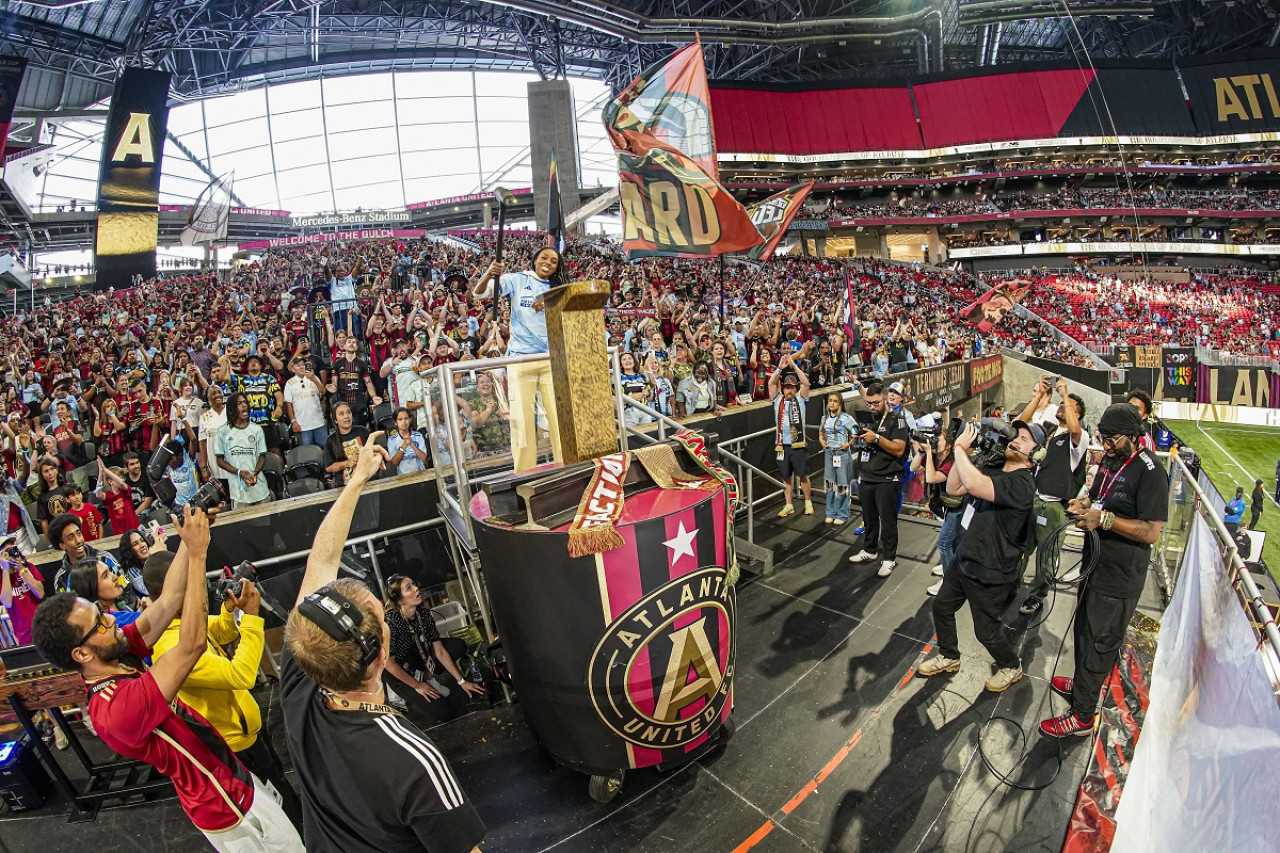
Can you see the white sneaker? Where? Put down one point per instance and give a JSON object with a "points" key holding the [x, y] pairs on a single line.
{"points": [[886, 568], [59, 737], [937, 571], [934, 588], [863, 556]]}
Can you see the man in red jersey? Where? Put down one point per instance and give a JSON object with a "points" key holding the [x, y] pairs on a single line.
{"points": [[136, 711]]}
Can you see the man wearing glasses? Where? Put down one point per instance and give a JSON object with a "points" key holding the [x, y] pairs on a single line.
{"points": [[1127, 506], [136, 712]]}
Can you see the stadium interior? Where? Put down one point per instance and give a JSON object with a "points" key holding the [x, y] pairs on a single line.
{"points": [[1111, 168]]}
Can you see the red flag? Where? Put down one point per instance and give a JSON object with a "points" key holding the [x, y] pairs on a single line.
{"points": [[772, 216], [989, 309], [672, 202]]}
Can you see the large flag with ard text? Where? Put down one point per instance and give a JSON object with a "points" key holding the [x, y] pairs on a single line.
{"points": [[772, 216], [672, 202]]}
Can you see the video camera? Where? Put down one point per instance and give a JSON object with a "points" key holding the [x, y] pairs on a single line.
{"points": [[993, 440], [209, 496], [230, 584], [865, 418]]}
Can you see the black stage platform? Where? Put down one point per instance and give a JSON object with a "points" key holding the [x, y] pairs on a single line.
{"points": [[838, 748]]}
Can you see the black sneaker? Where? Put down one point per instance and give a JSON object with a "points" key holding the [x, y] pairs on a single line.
{"points": [[1031, 607]]}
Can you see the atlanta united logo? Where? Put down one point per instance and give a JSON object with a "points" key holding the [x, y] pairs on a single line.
{"points": [[661, 674]]}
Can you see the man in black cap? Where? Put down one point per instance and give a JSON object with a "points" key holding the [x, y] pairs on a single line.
{"points": [[996, 524], [1127, 506]]}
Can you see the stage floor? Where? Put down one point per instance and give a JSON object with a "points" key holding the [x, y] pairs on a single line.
{"points": [[839, 747]]}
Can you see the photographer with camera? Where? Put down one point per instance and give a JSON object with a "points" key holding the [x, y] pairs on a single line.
{"points": [[137, 712], [1059, 476], [1128, 505], [881, 445], [219, 685], [934, 458], [372, 780], [994, 525]]}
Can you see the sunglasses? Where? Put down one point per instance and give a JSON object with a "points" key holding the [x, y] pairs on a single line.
{"points": [[98, 625], [1109, 440]]}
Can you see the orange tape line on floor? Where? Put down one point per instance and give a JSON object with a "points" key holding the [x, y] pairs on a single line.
{"points": [[755, 838], [827, 769]]}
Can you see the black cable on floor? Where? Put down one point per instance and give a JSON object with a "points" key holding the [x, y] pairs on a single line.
{"points": [[1052, 567]]}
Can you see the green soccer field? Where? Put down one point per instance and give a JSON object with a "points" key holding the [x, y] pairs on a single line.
{"points": [[1236, 455]]}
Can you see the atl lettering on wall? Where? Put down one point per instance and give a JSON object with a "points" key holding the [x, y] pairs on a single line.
{"points": [[129, 178], [1234, 97]]}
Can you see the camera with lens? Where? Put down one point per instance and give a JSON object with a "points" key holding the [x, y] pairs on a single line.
{"points": [[231, 582], [993, 440], [926, 435], [209, 496]]}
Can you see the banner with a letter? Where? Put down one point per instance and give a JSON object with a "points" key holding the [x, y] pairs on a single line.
{"points": [[1222, 385], [671, 199], [11, 70], [773, 216], [129, 179]]}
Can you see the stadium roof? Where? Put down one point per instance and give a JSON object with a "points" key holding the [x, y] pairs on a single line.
{"points": [[220, 46]]}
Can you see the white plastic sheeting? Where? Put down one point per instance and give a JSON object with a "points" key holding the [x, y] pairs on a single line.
{"points": [[1204, 771]]}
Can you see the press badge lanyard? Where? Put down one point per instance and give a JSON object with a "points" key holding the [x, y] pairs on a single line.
{"points": [[1108, 483]]}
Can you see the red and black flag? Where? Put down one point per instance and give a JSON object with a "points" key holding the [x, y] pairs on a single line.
{"points": [[555, 213], [772, 216], [986, 312], [672, 201]]}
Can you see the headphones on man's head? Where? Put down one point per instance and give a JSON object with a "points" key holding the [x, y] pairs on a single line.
{"points": [[341, 620]]}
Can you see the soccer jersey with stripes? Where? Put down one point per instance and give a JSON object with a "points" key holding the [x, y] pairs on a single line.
{"points": [[371, 781]]}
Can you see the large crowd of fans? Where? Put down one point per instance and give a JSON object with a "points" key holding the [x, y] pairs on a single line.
{"points": [[1067, 198], [237, 374], [1236, 311]]}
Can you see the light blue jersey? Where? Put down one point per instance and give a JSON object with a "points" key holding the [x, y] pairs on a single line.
{"points": [[342, 291], [528, 327]]}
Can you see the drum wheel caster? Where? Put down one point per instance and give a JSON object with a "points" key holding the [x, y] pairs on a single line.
{"points": [[727, 730], [605, 788]]}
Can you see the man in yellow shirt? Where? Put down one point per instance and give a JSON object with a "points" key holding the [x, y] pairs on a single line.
{"points": [[218, 687]]}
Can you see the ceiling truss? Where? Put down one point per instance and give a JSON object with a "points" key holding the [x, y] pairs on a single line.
{"points": [[220, 46]]}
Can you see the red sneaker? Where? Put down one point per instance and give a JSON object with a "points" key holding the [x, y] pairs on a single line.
{"points": [[1066, 726], [1062, 685]]}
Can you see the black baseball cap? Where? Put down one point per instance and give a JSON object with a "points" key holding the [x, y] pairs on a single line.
{"points": [[1121, 419]]}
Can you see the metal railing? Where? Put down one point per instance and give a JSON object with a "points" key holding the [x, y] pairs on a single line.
{"points": [[455, 479], [1062, 337]]}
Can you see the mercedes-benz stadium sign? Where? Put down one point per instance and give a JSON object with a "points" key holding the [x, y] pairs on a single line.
{"points": [[359, 217]]}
